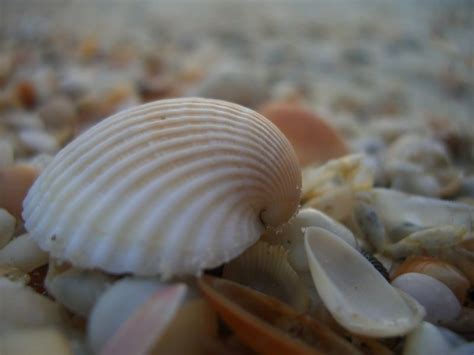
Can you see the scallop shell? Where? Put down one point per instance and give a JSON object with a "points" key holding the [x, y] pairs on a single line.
{"points": [[171, 187]]}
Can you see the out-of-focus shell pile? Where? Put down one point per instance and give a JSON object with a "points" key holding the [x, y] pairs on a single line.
{"points": [[325, 207]]}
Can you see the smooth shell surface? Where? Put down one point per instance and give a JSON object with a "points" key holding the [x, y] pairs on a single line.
{"points": [[355, 293], [171, 187]]}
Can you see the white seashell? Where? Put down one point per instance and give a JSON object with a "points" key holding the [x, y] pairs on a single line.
{"points": [[23, 253], [466, 349], [397, 208], [431, 241], [438, 300], [291, 235], [371, 225], [265, 268], [331, 187], [38, 341], [78, 290], [171, 187], [426, 339], [7, 227], [132, 302], [21, 307], [355, 293]]}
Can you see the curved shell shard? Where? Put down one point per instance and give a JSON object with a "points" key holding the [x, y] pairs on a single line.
{"points": [[170, 187], [355, 293]]}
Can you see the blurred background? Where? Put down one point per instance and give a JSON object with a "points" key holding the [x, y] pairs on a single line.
{"points": [[352, 61]]}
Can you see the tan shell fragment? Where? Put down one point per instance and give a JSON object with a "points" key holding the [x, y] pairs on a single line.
{"points": [[171, 187]]}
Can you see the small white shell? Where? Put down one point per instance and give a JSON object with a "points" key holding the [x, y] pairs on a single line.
{"points": [[426, 339], [171, 187], [21, 307], [23, 253], [438, 300], [355, 293]]}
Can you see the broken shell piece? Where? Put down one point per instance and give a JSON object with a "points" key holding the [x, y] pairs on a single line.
{"points": [[78, 290], [21, 307], [431, 241], [14, 274], [23, 253], [291, 235], [440, 270], [426, 339], [115, 306], [463, 324], [398, 208], [314, 140], [265, 268], [38, 341], [355, 293], [352, 170], [139, 333], [111, 199], [7, 227], [267, 325], [331, 187], [439, 301], [371, 225], [15, 181]]}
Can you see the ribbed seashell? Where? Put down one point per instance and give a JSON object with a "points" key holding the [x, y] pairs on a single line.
{"points": [[171, 187], [265, 268]]}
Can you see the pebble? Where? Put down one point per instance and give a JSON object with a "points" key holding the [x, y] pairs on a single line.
{"points": [[23, 253], [15, 181], [6, 153], [7, 227], [38, 141], [58, 112], [439, 301]]}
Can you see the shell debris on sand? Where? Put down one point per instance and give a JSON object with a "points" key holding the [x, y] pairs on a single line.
{"points": [[353, 233]]}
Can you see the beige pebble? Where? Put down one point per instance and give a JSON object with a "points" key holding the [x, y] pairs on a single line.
{"points": [[38, 141], [15, 182], [39, 341], [7, 227], [6, 153], [58, 112], [23, 253]]}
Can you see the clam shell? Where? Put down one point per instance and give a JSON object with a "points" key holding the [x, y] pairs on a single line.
{"points": [[265, 268], [7, 227], [355, 293], [23, 253], [171, 187]]}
